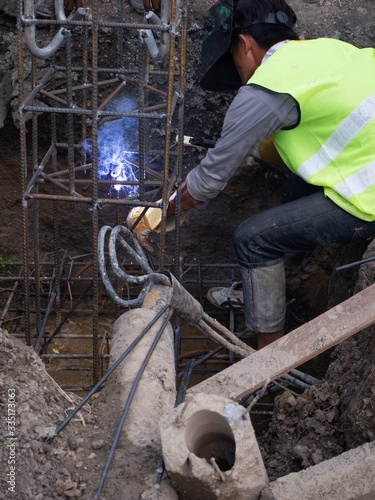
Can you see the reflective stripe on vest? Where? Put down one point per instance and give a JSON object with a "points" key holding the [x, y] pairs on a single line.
{"points": [[357, 182], [340, 138]]}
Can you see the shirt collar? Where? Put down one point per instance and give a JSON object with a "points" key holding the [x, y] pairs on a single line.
{"points": [[273, 49]]}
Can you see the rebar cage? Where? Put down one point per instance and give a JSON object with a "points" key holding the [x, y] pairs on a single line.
{"points": [[94, 76]]}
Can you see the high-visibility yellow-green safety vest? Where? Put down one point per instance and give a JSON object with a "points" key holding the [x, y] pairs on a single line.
{"points": [[333, 145]]}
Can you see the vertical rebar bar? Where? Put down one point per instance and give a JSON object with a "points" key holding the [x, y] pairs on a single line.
{"points": [[180, 145], [69, 99], [168, 133], [23, 161], [142, 72], [34, 147], [95, 209], [84, 91], [120, 35], [56, 239]]}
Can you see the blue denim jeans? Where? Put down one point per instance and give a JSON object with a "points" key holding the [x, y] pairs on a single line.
{"points": [[262, 240]]}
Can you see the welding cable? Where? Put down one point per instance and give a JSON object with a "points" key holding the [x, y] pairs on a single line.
{"points": [[203, 327], [294, 377], [179, 399], [108, 373], [294, 374], [227, 333], [129, 400], [210, 354], [294, 381], [309, 379]]}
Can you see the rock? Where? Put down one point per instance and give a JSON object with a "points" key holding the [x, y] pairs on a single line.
{"points": [[97, 445], [301, 452], [35, 445], [47, 467], [317, 456], [72, 442], [44, 432]]}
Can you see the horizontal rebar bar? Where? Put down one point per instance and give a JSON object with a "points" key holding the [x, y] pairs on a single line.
{"points": [[61, 336], [112, 181], [102, 24], [73, 356], [185, 264], [88, 112]]}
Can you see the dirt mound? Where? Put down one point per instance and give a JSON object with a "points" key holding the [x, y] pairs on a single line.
{"points": [[335, 415], [71, 466], [35, 405]]}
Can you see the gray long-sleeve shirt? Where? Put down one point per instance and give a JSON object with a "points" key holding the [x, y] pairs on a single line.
{"points": [[253, 115]]}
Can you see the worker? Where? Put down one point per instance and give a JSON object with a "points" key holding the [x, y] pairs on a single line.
{"points": [[316, 99]]}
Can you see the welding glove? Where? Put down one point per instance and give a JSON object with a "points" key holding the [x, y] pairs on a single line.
{"points": [[151, 221]]}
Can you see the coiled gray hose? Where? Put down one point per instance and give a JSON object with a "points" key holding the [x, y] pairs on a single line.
{"points": [[131, 245]]}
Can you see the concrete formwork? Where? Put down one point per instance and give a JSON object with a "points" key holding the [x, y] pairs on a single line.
{"points": [[210, 450]]}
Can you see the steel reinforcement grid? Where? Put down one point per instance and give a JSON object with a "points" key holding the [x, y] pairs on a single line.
{"points": [[74, 75]]}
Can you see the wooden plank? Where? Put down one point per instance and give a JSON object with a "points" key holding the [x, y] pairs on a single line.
{"points": [[294, 349]]}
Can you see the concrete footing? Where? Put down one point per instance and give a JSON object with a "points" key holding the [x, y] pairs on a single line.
{"points": [[210, 450], [349, 476]]}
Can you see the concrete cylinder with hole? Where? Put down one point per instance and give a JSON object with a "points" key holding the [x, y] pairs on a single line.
{"points": [[210, 450]]}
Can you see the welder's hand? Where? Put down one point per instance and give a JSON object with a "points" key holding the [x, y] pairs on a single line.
{"points": [[71, 4], [149, 222], [186, 201], [151, 5]]}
